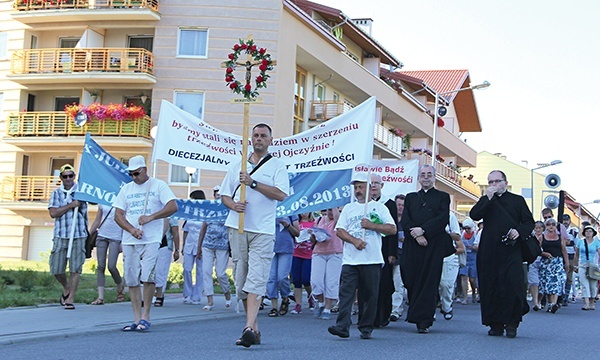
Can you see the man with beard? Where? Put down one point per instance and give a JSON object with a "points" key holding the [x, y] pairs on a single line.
{"points": [[426, 243], [508, 222]]}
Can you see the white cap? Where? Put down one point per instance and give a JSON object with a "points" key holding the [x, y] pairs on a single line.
{"points": [[136, 162], [359, 176], [217, 188], [469, 223]]}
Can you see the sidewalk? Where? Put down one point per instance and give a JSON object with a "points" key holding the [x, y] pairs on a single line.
{"points": [[48, 321]]}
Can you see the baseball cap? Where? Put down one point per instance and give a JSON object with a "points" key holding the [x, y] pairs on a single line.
{"points": [[136, 162], [66, 167], [359, 176]]}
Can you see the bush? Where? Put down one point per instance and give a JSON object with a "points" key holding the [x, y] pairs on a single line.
{"points": [[175, 275], [26, 279]]}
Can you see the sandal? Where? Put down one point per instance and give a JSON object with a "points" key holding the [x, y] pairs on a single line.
{"points": [[273, 313], [228, 304], [208, 307], [69, 306], [144, 325], [285, 305], [159, 301], [121, 294], [132, 327], [248, 338], [63, 298], [98, 301]]}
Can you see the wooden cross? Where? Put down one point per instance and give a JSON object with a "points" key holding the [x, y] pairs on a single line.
{"points": [[248, 64]]}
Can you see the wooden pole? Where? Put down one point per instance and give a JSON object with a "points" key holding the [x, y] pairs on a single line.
{"points": [[244, 161]]}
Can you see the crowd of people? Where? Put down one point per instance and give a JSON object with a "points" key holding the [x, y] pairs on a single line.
{"points": [[366, 258]]}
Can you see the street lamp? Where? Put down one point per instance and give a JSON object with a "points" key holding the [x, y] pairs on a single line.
{"points": [[597, 201], [436, 114], [190, 171], [540, 166]]}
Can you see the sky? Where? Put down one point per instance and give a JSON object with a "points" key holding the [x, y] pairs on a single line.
{"points": [[542, 58]]}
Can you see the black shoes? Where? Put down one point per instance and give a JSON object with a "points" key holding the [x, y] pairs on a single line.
{"points": [[511, 332], [335, 330], [422, 329], [365, 335], [496, 330]]}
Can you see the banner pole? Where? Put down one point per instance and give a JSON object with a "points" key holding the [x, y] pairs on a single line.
{"points": [[244, 162]]}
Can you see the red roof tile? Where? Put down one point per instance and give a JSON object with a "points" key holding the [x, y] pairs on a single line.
{"points": [[442, 80]]}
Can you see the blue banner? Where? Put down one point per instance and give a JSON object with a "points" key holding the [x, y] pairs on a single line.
{"points": [[316, 191], [201, 210], [101, 176]]}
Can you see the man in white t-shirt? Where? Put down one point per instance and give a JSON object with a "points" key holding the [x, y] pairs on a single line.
{"points": [[362, 258], [252, 250], [140, 207]]}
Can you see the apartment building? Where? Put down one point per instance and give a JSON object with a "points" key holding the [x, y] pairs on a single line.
{"points": [[55, 53]]}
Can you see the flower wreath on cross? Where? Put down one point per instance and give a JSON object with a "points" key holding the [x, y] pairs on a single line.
{"points": [[259, 56]]}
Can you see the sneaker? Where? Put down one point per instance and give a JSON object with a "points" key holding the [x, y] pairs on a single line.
{"points": [[463, 302], [195, 302], [365, 335], [319, 311], [297, 309], [394, 316], [311, 303], [187, 300], [335, 330], [326, 315]]}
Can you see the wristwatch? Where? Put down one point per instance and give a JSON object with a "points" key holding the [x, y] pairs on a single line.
{"points": [[254, 184]]}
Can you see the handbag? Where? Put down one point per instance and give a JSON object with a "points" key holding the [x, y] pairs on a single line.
{"points": [[90, 241], [530, 246], [593, 270]]}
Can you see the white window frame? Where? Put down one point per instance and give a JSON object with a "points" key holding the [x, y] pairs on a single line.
{"points": [[191, 28]]}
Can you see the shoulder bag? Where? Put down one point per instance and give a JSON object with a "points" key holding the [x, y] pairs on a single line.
{"points": [[530, 247], [260, 163], [90, 242], [593, 270]]}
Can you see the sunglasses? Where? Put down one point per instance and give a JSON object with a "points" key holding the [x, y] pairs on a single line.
{"points": [[68, 176], [135, 173]]}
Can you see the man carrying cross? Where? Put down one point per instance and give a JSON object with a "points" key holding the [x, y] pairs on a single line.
{"points": [[252, 248]]}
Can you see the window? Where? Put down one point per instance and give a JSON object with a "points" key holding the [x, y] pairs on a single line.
{"points": [[3, 45], [320, 93], [193, 103], [141, 42], [68, 43], [299, 99], [192, 42], [178, 175], [34, 42]]}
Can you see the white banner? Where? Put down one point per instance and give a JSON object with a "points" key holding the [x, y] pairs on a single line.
{"points": [[397, 176], [339, 143]]}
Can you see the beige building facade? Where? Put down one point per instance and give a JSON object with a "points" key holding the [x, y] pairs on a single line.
{"points": [[139, 52]]}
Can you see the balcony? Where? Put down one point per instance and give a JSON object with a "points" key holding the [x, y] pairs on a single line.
{"points": [[390, 142], [44, 124], [82, 66], [53, 11], [325, 110], [27, 188], [454, 179]]}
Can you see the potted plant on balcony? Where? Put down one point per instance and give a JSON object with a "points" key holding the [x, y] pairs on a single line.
{"points": [[108, 119]]}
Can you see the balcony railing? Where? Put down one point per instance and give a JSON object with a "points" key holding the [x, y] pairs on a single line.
{"points": [[27, 188], [44, 61], [27, 5], [60, 124], [325, 110], [454, 176], [391, 141]]}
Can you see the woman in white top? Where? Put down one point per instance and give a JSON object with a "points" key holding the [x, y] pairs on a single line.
{"points": [[586, 253], [108, 243]]}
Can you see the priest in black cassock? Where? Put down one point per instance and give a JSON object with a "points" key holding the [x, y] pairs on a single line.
{"points": [[426, 243], [508, 222]]}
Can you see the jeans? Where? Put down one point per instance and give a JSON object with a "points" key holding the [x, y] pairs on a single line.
{"points": [[279, 279]]}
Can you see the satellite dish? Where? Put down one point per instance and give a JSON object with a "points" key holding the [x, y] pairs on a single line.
{"points": [[552, 181], [442, 111], [551, 201], [81, 118]]}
